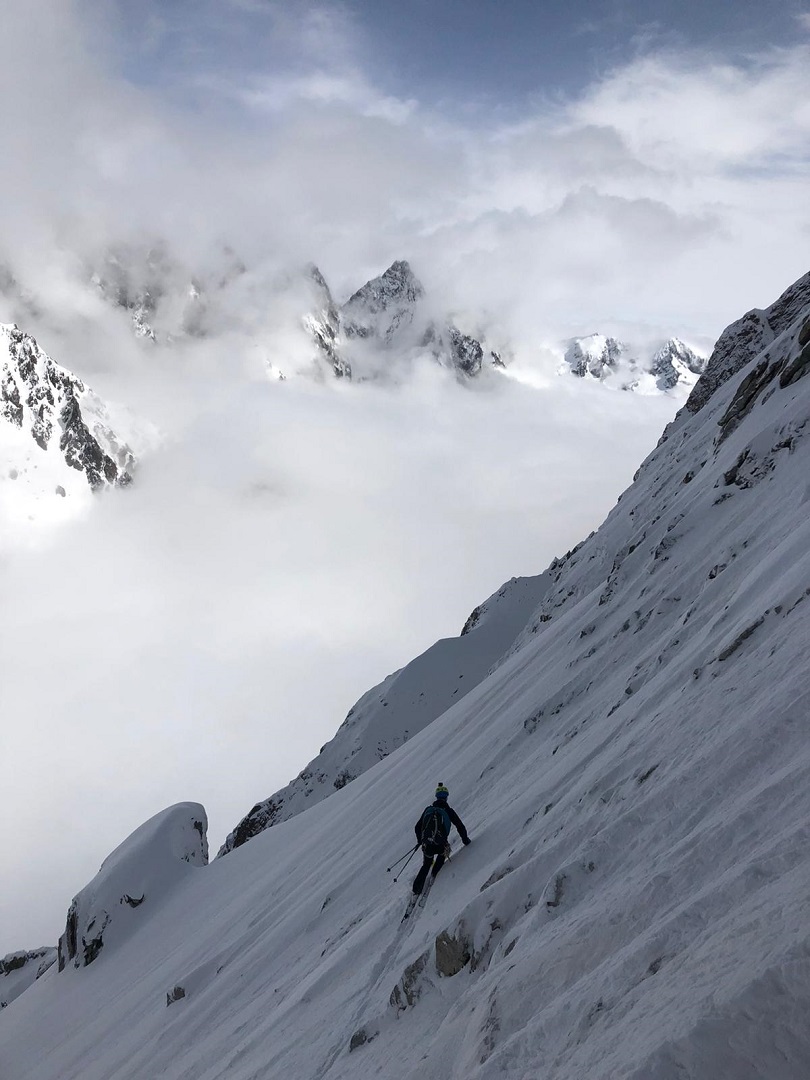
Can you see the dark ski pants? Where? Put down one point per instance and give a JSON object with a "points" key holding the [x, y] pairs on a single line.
{"points": [[427, 862]]}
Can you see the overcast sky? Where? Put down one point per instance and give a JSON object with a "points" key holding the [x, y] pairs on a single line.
{"points": [[548, 169]]}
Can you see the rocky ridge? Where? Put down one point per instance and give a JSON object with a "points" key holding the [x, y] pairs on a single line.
{"points": [[62, 416]]}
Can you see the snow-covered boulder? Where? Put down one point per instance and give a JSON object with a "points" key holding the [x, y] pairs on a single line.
{"points": [[133, 880], [19, 970], [390, 714]]}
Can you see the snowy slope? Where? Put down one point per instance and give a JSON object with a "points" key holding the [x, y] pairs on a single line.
{"points": [[636, 780], [402, 705]]}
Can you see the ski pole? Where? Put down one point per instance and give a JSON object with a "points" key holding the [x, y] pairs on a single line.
{"points": [[408, 854], [399, 875]]}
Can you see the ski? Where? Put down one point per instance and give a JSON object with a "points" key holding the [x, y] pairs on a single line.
{"points": [[409, 909]]}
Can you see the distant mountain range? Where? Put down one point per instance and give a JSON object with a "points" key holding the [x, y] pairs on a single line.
{"points": [[386, 323], [609, 360]]}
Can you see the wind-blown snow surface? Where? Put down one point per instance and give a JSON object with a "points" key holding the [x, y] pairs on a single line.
{"points": [[636, 900], [390, 714]]}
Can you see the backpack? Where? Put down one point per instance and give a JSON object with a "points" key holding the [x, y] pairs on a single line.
{"points": [[435, 830]]}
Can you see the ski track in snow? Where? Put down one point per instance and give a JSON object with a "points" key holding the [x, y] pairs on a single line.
{"points": [[635, 777]]}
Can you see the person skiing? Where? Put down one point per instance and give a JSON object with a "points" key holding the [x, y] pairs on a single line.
{"points": [[432, 830]]}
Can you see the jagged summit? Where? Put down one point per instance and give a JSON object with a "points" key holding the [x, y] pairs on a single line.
{"points": [[634, 772], [385, 306]]}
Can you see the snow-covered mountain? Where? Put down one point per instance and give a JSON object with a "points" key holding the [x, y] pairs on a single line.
{"points": [[57, 439], [19, 970], [634, 772], [385, 308], [612, 361]]}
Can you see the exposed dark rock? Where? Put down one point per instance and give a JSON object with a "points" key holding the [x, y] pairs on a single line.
{"points": [[177, 993], [67, 947], [797, 368], [466, 353], [360, 1038], [453, 952], [409, 988], [472, 620]]}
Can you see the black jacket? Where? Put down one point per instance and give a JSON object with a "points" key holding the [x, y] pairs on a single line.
{"points": [[456, 820]]}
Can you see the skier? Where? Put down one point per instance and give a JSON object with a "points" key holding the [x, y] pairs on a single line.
{"points": [[432, 830]]}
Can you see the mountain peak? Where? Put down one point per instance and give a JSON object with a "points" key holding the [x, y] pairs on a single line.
{"points": [[385, 305]]}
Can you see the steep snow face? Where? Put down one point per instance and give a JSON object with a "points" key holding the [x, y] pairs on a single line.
{"points": [[141, 871], [56, 437], [19, 970], [674, 364], [635, 777], [390, 714]]}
